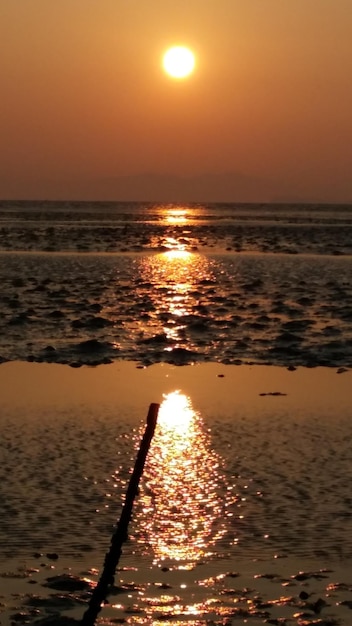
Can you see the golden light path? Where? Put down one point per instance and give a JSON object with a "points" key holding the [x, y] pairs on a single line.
{"points": [[177, 216], [183, 507], [174, 275], [184, 496]]}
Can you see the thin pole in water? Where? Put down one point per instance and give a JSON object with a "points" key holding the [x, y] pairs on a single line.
{"points": [[112, 557]]}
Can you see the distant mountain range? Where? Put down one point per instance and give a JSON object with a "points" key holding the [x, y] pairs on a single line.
{"points": [[169, 188], [225, 187], [166, 188]]}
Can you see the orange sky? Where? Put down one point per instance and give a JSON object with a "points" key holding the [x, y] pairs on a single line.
{"points": [[84, 100]]}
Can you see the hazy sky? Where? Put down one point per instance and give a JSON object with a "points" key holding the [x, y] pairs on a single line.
{"points": [[84, 100]]}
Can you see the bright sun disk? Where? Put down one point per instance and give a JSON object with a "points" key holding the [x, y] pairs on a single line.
{"points": [[178, 62]]}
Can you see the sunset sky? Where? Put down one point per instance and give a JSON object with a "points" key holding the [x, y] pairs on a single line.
{"points": [[87, 112]]}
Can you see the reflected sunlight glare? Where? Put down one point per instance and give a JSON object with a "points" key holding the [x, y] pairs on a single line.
{"points": [[176, 414], [176, 216], [183, 513], [178, 253], [174, 275]]}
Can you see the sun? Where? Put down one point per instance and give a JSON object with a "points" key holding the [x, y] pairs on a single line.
{"points": [[178, 62]]}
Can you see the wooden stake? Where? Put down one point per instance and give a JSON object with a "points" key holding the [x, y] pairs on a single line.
{"points": [[112, 557]]}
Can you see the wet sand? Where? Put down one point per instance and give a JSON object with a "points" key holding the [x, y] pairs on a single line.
{"points": [[91, 283], [255, 528], [176, 307], [139, 226]]}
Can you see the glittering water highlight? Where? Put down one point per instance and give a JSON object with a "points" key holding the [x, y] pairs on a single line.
{"points": [[183, 505]]}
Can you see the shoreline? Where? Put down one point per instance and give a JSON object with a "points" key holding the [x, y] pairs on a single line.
{"points": [[318, 385], [203, 250]]}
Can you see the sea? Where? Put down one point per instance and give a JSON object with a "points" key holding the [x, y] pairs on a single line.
{"points": [[95, 282]]}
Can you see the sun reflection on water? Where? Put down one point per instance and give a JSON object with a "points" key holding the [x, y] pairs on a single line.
{"points": [[175, 276], [182, 514], [176, 216]]}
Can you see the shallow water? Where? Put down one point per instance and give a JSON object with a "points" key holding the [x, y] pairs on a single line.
{"points": [[247, 484], [280, 464]]}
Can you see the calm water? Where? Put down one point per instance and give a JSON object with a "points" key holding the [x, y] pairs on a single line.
{"points": [[244, 503], [95, 282]]}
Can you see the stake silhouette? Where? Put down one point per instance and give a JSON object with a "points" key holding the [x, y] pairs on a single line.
{"points": [[112, 557]]}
